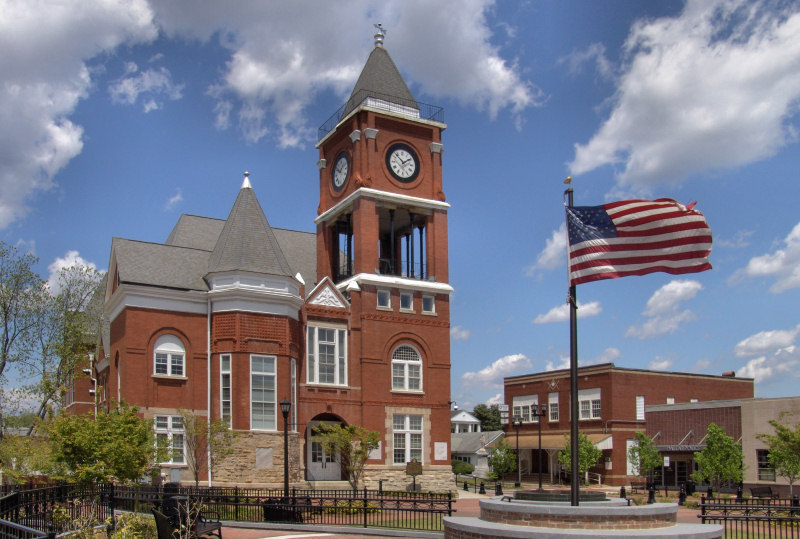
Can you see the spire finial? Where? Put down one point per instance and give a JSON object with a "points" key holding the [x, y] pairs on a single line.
{"points": [[246, 182], [380, 33]]}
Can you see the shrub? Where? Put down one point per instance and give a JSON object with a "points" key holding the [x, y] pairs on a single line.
{"points": [[462, 468]]}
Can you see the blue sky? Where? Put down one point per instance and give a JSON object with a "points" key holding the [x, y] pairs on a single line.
{"points": [[118, 116]]}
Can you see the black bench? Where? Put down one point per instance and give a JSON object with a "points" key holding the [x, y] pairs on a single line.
{"points": [[170, 522], [762, 492], [281, 510], [637, 486]]}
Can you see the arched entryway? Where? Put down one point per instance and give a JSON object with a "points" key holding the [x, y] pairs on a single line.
{"points": [[321, 466]]}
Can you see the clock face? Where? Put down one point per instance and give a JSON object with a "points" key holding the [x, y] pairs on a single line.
{"points": [[341, 170], [402, 162]]}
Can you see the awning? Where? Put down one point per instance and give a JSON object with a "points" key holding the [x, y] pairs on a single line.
{"points": [[556, 441]]}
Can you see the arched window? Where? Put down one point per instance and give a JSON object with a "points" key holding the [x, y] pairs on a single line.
{"points": [[169, 356], [406, 369]]}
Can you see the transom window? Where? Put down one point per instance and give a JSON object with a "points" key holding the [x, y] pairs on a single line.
{"points": [[407, 436], [327, 356], [169, 433], [169, 354], [406, 369], [262, 392]]}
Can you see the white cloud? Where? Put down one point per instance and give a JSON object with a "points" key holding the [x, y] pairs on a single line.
{"points": [[150, 83], [766, 341], [609, 355], [783, 264], [492, 375], [701, 365], [593, 54], [458, 333], [561, 312], [710, 89], [282, 56], [660, 364], [662, 310], [784, 363], [668, 297], [174, 200], [563, 363], [44, 46], [497, 399], [71, 259], [554, 253]]}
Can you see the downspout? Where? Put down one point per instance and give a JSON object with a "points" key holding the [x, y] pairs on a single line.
{"points": [[208, 364]]}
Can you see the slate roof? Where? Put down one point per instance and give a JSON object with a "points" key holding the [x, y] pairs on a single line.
{"points": [[381, 78], [185, 258], [470, 442]]}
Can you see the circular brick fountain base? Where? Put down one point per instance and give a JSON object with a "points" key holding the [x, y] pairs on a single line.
{"points": [[507, 517]]}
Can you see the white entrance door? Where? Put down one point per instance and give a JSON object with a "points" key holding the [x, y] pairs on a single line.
{"points": [[321, 466]]}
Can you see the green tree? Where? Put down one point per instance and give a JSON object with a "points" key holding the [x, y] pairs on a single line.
{"points": [[588, 454], [489, 416], [721, 459], [67, 328], [784, 449], [21, 457], [21, 293], [461, 467], [502, 459], [643, 456], [205, 442], [351, 446], [119, 445]]}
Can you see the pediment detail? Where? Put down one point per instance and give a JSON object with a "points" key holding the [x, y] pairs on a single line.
{"points": [[327, 298]]}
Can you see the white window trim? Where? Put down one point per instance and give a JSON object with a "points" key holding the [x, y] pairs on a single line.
{"points": [[406, 364], [222, 401], [406, 294], [340, 353], [274, 391], [432, 299], [593, 398], [388, 293], [522, 408], [170, 345], [170, 431], [640, 407], [553, 407], [407, 433]]}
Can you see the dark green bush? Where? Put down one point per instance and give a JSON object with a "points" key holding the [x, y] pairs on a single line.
{"points": [[462, 468]]}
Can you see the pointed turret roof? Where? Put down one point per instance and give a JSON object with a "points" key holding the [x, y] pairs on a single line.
{"points": [[380, 78], [247, 242]]}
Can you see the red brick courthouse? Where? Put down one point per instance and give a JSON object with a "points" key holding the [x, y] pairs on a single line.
{"points": [[612, 403], [350, 324]]}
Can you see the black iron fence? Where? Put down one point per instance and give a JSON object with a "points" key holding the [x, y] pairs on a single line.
{"points": [[44, 511], [753, 517], [63, 507]]}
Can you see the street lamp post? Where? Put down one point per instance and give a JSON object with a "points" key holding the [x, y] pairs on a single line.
{"points": [[539, 412], [517, 421], [285, 407]]}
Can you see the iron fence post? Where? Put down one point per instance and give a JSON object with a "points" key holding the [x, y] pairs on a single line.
{"points": [[365, 507]]}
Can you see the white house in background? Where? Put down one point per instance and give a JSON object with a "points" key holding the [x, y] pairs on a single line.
{"points": [[462, 421]]}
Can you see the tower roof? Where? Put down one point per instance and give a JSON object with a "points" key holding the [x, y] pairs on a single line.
{"points": [[247, 242], [380, 78]]}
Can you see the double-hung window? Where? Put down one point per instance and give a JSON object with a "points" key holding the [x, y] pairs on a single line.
{"points": [[327, 355], [522, 407], [169, 435], [552, 405], [169, 355], [766, 471], [225, 388], [262, 392], [406, 369], [407, 437], [589, 403]]}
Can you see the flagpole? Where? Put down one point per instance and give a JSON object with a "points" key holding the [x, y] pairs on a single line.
{"points": [[573, 378]]}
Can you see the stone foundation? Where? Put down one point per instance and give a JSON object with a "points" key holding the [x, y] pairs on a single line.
{"points": [[258, 461], [433, 478]]}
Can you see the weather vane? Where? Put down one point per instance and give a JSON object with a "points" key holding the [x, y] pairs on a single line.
{"points": [[379, 34]]}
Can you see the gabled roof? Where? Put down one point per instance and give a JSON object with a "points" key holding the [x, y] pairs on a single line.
{"points": [[470, 442], [247, 242], [380, 78]]}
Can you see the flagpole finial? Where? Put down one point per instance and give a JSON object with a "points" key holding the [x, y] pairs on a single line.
{"points": [[568, 180]]}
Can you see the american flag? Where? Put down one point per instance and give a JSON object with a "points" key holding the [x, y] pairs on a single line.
{"points": [[636, 237]]}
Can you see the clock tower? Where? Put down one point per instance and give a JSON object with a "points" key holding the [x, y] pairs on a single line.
{"points": [[382, 250]]}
